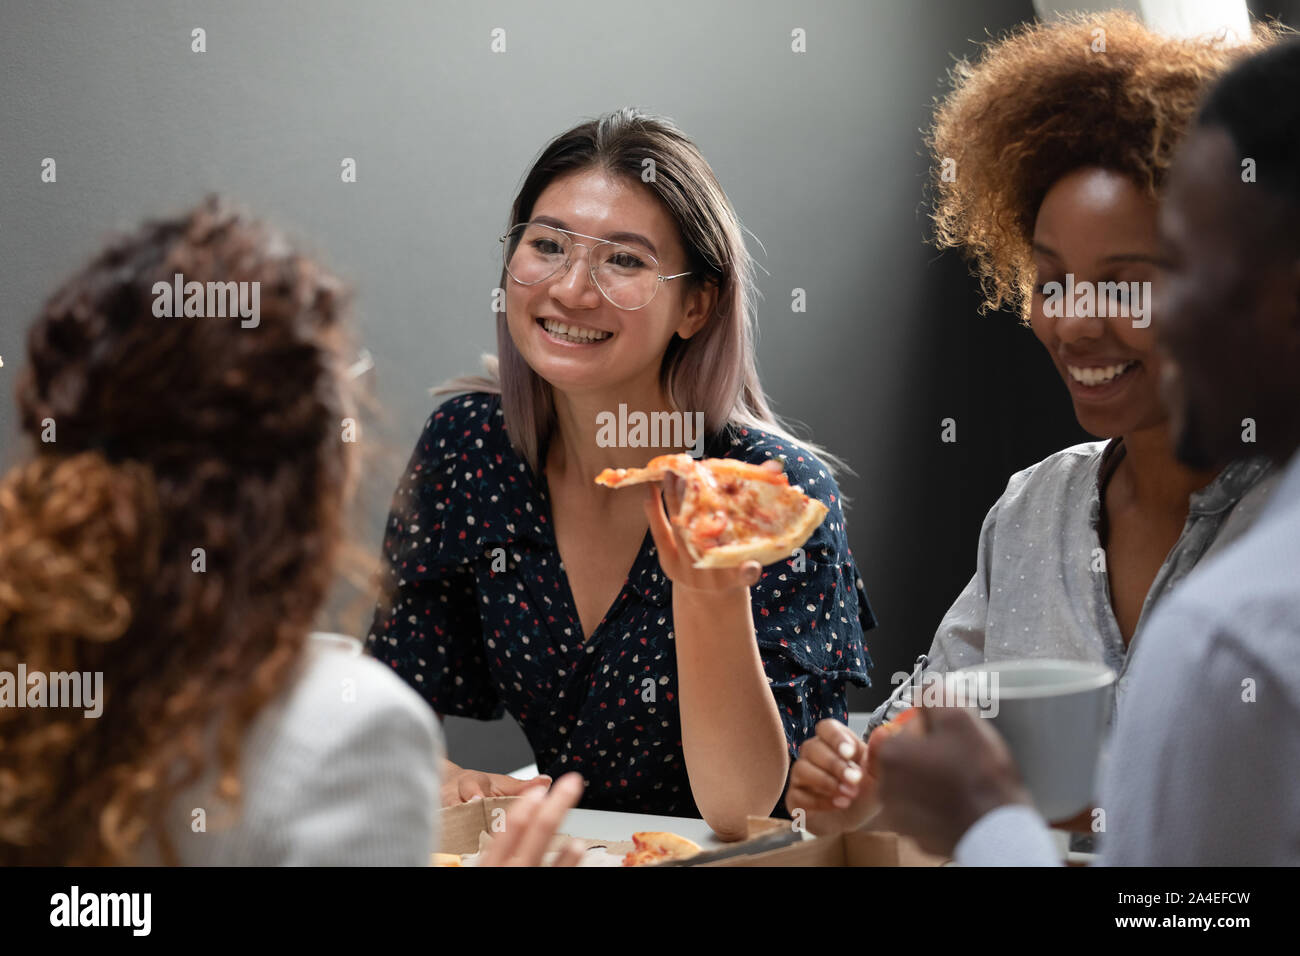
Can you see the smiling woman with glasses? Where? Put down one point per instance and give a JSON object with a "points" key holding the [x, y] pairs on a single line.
{"points": [[517, 584]]}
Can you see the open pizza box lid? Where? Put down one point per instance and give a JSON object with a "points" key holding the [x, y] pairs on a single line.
{"points": [[462, 825]]}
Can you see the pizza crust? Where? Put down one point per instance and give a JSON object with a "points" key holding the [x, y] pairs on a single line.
{"points": [[683, 465]]}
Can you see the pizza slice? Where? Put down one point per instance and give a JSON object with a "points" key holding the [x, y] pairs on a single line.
{"points": [[731, 511], [653, 847]]}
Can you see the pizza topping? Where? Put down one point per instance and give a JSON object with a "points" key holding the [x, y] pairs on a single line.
{"points": [[731, 511], [655, 847]]}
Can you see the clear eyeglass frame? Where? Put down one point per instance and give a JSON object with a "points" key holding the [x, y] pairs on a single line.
{"points": [[591, 262]]}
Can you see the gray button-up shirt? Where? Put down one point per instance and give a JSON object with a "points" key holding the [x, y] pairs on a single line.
{"points": [[1041, 588]]}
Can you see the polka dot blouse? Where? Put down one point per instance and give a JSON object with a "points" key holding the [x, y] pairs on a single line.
{"points": [[479, 618]]}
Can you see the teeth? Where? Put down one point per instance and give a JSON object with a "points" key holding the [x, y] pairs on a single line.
{"points": [[1098, 376], [574, 334]]}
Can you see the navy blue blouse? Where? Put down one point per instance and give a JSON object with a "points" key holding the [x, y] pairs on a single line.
{"points": [[478, 616]]}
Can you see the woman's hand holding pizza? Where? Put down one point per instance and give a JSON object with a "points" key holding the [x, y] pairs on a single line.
{"points": [[675, 558]]}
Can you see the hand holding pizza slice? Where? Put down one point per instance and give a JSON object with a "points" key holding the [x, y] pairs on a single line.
{"points": [[729, 512]]}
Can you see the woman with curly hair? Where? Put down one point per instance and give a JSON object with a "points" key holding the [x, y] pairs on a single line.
{"points": [[175, 534], [1049, 156]]}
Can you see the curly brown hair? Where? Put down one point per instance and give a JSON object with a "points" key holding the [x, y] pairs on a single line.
{"points": [[171, 434], [1045, 100]]}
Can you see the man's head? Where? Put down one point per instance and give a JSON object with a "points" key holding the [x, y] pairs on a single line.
{"points": [[1228, 313]]}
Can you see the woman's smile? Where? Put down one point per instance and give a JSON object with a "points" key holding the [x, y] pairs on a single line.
{"points": [[1102, 383], [571, 334]]}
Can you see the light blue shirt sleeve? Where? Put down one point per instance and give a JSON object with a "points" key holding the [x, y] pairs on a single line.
{"points": [[1011, 835], [1204, 774]]}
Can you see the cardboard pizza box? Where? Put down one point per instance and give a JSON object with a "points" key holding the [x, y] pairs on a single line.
{"points": [[461, 826], [856, 848]]}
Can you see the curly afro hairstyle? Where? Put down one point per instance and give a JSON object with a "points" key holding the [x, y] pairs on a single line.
{"points": [[1049, 98]]}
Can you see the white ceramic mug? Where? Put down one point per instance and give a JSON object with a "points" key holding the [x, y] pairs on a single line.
{"points": [[1053, 716]]}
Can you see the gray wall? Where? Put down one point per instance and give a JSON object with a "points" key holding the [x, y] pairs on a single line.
{"points": [[819, 152]]}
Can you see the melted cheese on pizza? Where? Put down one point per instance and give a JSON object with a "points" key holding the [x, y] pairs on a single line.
{"points": [[731, 511]]}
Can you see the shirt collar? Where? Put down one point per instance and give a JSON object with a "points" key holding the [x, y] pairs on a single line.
{"points": [[512, 511], [1229, 485], [1222, 493], [1287, 493]]}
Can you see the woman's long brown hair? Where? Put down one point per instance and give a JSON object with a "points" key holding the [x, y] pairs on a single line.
{"points": [[170, 435]]}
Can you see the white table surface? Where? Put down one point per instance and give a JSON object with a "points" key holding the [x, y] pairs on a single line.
{"points": [[612, 825]]}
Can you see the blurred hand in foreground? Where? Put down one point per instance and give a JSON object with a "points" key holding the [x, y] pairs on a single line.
{"points": [[934, 785], [531, 824]]}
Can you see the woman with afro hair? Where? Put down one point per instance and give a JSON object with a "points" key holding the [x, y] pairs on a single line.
{"points": [[1049, 154]]}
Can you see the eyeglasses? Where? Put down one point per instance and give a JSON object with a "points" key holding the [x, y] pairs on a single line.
{"points": [[628, 276]]}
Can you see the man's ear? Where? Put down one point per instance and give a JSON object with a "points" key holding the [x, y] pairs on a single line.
{"points": [[699, 305]]}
